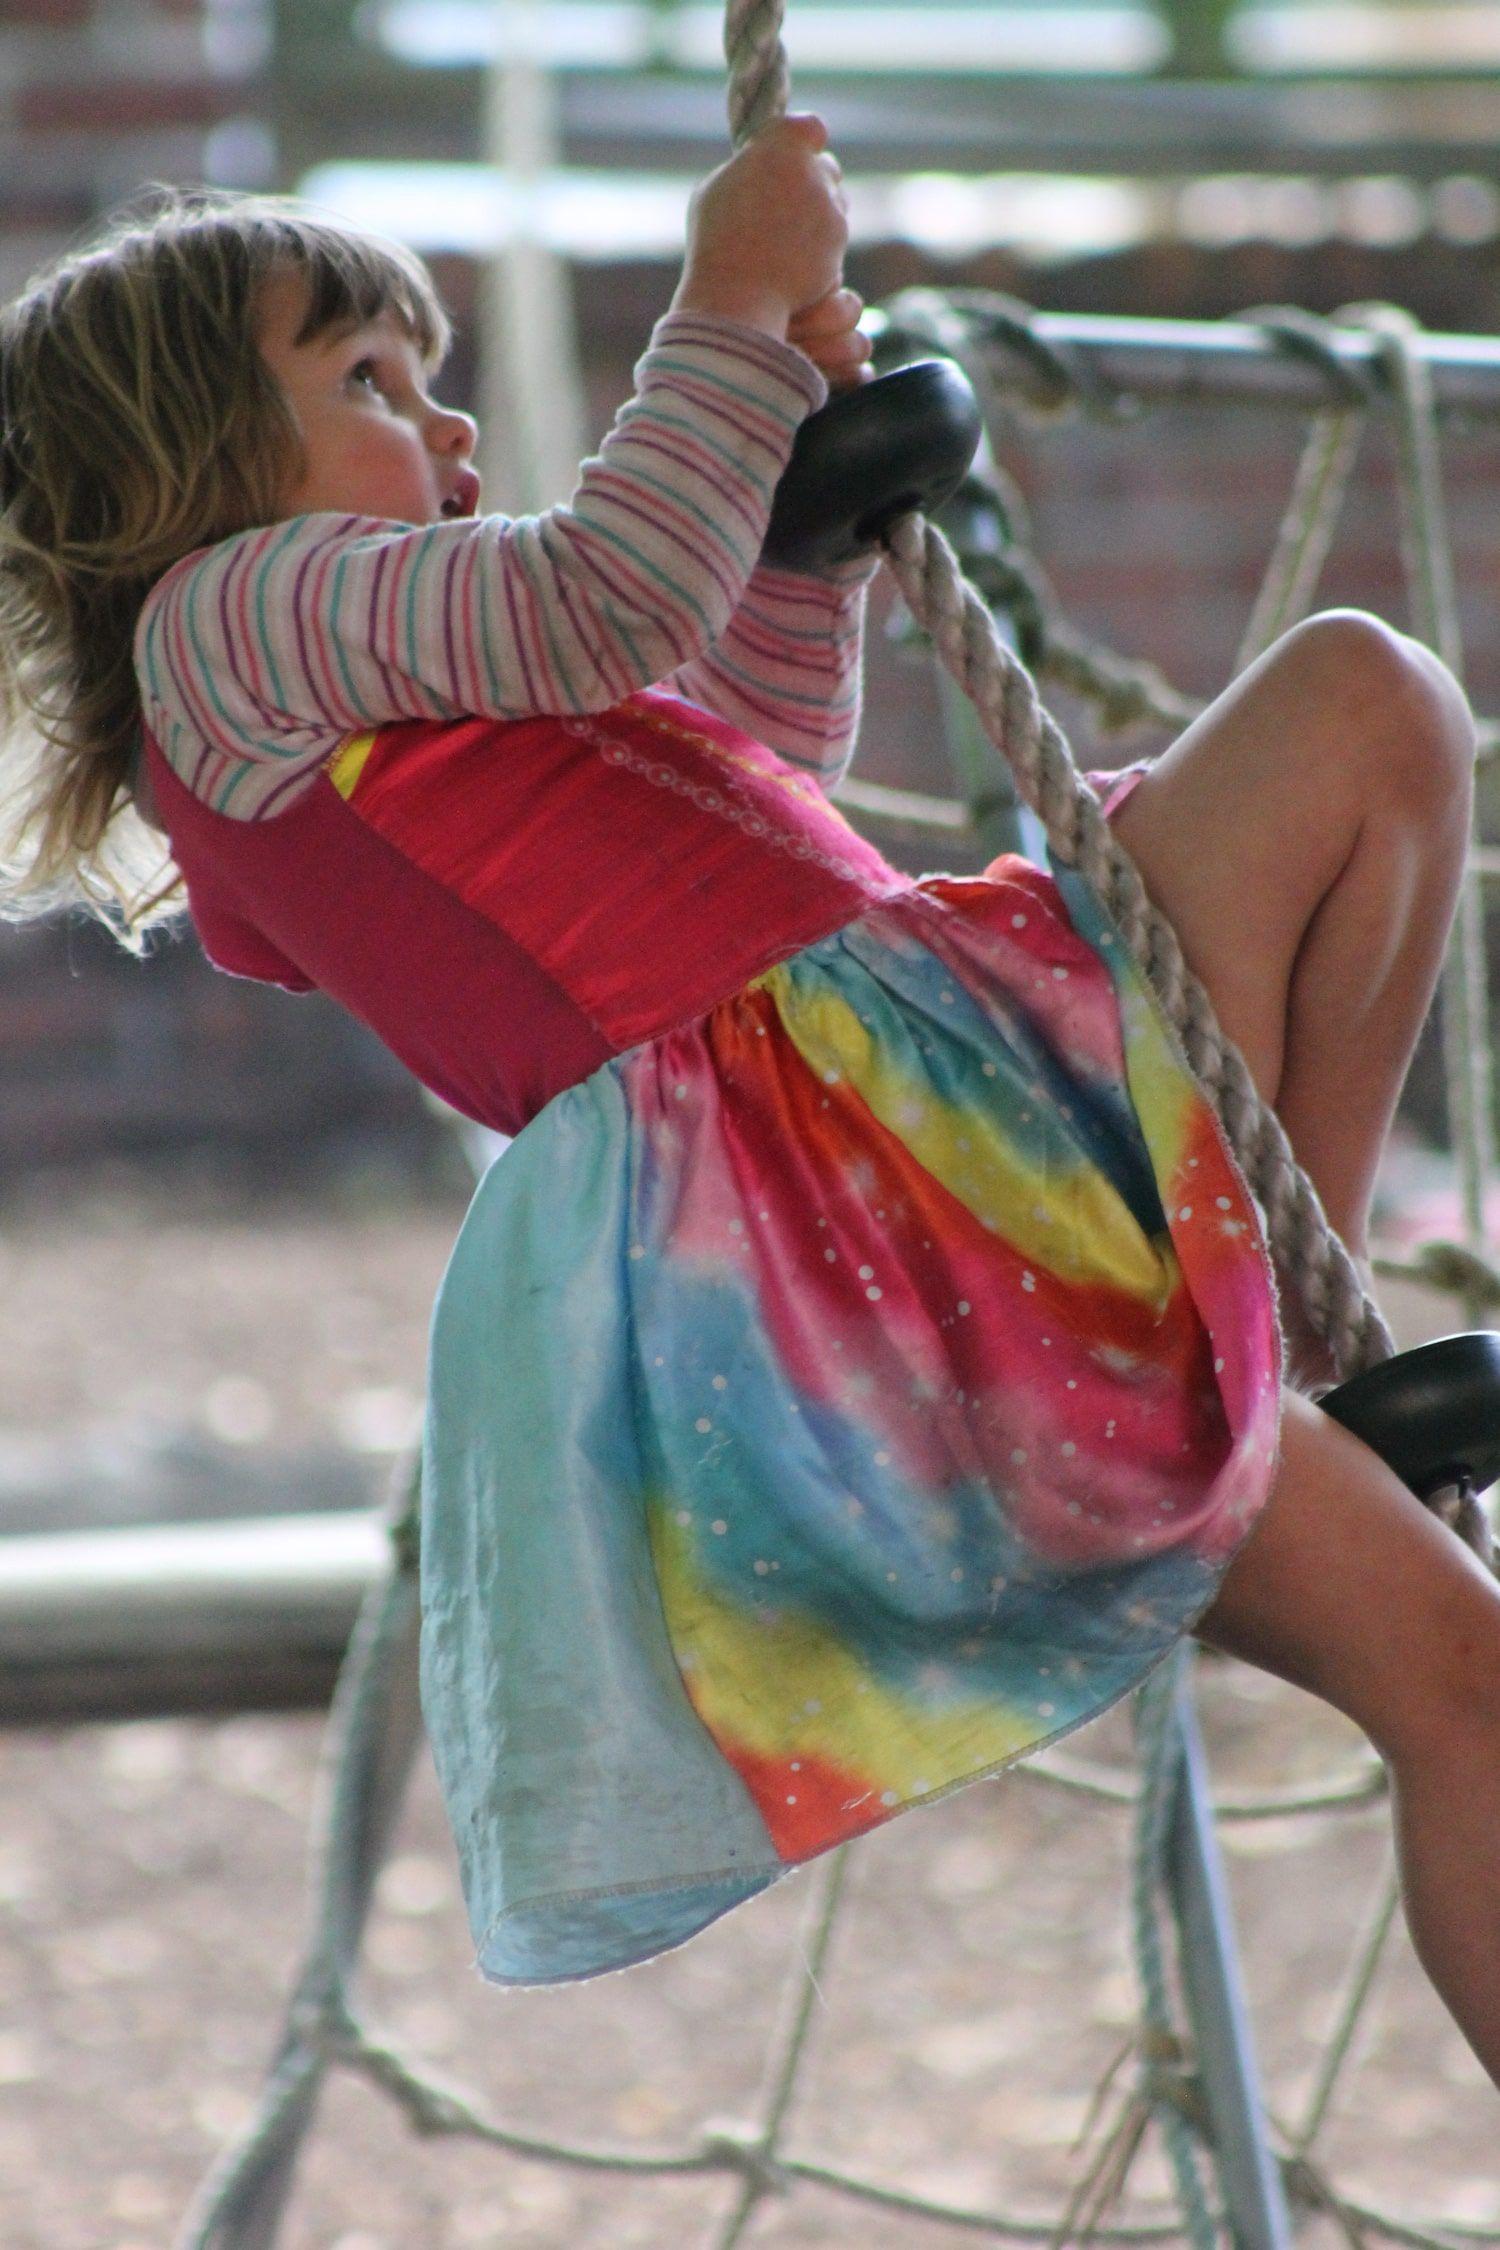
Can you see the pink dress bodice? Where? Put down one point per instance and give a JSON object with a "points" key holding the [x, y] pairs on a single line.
{"points": [[507, 905]]}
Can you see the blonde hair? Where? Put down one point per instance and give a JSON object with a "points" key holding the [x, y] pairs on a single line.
{"points": [[138, 423]]}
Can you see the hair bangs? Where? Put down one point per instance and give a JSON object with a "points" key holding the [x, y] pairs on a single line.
{"points": [[354, 278]]}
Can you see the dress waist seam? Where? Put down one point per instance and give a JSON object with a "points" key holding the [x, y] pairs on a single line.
{"points": [[748, 973]]}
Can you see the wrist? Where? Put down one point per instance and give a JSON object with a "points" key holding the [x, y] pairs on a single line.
{"points": [[733, 299]]}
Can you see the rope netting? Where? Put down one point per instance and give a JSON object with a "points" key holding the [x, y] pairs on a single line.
{"points": [[375, 1727]]}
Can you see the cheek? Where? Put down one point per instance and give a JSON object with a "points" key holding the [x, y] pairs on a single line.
{"points": [[398, 450]]}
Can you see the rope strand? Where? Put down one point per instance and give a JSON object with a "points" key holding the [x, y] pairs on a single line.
{"points": [[960, 625]]}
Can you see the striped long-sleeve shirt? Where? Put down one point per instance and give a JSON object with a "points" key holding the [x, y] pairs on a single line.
{"points": [[258, 656]]}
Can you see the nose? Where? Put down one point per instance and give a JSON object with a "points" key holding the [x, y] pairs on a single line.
{"points": [[451, 431]]}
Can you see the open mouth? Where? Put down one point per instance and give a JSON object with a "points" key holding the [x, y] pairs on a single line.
{"points": [[464, 499]]}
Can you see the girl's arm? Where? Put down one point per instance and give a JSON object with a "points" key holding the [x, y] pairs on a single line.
{"points": [[787, 667], [258, 656]]}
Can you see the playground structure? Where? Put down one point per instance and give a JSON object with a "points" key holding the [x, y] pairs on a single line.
{"points": [[1195, 2074], [1196, 2078]]}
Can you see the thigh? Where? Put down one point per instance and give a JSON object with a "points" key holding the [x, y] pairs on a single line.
{"points": [[1242, 826]]}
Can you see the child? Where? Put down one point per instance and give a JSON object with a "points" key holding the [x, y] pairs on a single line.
{"points": [[864, 1365]]}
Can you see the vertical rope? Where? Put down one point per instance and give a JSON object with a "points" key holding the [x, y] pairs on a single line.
{"points": [[1351, 2006], [928, 574], [803, 1992], [760, 83], [1428, 551], [1322, 482], [1306, 533]]}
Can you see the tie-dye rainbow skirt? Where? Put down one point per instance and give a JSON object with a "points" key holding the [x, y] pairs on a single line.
{"points": [[831, 1402]]}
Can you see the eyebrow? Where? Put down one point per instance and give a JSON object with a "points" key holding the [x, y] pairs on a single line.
{"points": [[385, 321], [333, 334], [343, 330]]}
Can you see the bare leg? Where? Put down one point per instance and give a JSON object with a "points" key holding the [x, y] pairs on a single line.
{"points": [[1306, 838], [1326, 799], [1348, 1587]]}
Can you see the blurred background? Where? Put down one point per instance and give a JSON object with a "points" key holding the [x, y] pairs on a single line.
{"points": [[1186, 159], [223, 1211]]}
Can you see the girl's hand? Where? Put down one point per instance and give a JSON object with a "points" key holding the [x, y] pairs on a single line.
{"points": [[768, 230], [829, 334]]}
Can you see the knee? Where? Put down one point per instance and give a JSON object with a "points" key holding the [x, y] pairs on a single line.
{"points": [[1405, 720]]}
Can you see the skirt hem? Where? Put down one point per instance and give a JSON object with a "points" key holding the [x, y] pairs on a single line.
{"points": [[750, 1883]]}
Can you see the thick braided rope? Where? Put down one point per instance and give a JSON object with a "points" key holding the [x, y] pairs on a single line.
{"points": [[932, 583], [760, 82], [928, 574]]}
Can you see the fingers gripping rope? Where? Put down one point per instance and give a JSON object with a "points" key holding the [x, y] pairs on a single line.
{"points": [[945, 606]]}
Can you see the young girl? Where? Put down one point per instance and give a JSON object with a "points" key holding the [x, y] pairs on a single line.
{"points": [[864, 1365]]}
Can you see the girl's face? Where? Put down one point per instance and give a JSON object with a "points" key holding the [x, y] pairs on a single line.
{"points": [[376, 444]]}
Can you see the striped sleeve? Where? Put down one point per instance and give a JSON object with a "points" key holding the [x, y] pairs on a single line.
{"points": [[788, 666], [256, 657]]}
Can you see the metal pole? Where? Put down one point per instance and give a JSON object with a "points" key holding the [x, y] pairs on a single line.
{"points": [[532, 416], [1251, 2183], [181, 1617]]}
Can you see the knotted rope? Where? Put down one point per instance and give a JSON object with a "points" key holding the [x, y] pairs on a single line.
{"points": [[952, 613]]}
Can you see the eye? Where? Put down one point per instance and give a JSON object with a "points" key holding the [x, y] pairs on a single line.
{"points": [[365, 371]]}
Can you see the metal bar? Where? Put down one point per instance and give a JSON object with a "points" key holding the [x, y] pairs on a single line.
{"points": [[1071, 48], [1251, 2183], [182, 1617], [103, 1593], [1107, 127], [1110, 126], [1233, 361]]}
